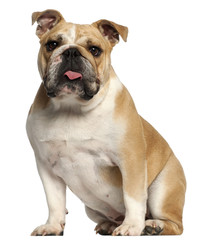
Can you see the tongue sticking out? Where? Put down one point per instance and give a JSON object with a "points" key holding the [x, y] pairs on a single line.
{"points": [[73, 75]]}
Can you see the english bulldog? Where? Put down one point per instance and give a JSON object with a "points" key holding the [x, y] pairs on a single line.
{"points": [[88, 136]]}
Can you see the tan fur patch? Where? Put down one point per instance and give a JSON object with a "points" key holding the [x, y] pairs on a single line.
{"points": [[132, 146], [112, 176], [157, 151], [41, 100]]}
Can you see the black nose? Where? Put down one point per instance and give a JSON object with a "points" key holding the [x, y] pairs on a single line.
{"points": [[71, 52]]}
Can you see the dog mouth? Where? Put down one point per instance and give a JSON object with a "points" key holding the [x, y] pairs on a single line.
{"points": [[72, 75], [74, 83]]}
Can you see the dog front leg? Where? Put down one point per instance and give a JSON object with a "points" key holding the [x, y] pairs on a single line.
{"points": [[55, 190], [133, 168]]}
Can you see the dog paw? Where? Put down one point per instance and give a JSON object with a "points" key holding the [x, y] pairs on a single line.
{"points": [[105, 228], [49, 230], [153, 227], [128, 230]]}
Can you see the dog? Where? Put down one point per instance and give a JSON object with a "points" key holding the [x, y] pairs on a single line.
{"points": [[88, 136]]}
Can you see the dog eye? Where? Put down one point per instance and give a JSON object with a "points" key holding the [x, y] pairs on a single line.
{"points": [[96, 51], [51, 45]]}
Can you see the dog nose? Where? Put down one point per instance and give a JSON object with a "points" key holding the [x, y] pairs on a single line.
{"points": [[71, 52]]}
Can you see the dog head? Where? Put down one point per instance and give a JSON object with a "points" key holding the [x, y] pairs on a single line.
{"points": [[74, 60]]}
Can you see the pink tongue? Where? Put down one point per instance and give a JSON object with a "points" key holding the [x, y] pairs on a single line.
{"points": [[73, 75]]}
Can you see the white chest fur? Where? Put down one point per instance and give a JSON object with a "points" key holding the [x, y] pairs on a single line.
{"points": [[73, 137]]}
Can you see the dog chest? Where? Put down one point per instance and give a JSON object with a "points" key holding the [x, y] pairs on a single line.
{"points": [[80, 151], [63, 139]]}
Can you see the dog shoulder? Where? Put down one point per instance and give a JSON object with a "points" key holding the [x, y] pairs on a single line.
{"points": [[125, 111], [41, 100]]}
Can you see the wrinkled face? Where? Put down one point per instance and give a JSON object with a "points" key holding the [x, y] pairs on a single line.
{"points": [[74, 60]]}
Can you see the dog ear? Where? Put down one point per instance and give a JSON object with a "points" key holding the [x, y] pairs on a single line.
{"points": [[111, 30], [46, 21]]}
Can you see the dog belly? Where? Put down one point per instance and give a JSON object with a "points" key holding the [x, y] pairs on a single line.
{"points": [[97, 194], [86, 167]]}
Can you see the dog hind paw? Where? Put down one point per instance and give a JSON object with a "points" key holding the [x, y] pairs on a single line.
{"points": [[153, 227], [105, 228]]}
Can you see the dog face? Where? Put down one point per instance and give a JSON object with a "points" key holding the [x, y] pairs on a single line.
{"points": [[74, 60]]}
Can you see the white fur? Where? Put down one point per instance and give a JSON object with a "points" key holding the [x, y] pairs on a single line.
{"points": [[74, 145], [71, 35], [134, 221], [135, 210]]}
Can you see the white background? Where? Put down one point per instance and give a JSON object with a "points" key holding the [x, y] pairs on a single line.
{"points": [[160, 65]]}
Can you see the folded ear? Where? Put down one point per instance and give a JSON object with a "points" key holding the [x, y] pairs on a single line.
{"points": [[46, 20], [111, 30]]}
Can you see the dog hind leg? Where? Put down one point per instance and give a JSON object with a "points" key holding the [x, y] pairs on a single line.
{"points": [[166, 201]]}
